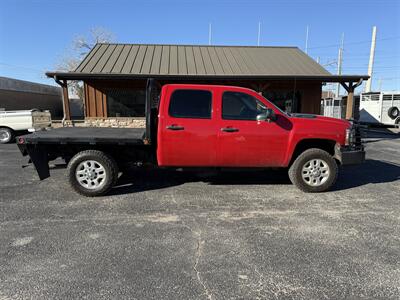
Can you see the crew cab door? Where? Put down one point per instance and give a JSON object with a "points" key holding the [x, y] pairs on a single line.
{"points": [[187, 132], [242, 140]]}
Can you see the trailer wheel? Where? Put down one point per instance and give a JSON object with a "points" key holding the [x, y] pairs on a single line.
{"points": [[393, 112], [6, 135], [314, 171], [92, 173]]}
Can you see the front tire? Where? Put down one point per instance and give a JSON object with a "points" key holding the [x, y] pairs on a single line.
{"points": [[314, 171], [92, 173], [6, 135]]}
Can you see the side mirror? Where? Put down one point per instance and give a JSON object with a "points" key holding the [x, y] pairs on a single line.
{"points": [[268, 115]]}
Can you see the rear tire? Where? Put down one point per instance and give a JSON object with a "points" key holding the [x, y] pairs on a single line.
{"points": [[92, 173], [314, 171], [6, 135]]}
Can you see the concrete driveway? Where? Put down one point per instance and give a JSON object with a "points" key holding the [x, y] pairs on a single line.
{"points": [[171, 235]]}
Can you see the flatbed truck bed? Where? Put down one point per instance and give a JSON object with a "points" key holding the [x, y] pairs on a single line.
{"points": [[44, 146], [87, 135]]}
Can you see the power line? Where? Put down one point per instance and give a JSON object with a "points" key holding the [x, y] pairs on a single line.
{"points": [[355, 43], [364, 66]]}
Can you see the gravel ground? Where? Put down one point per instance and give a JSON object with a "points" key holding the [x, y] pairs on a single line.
{"points": [[173, 235]]}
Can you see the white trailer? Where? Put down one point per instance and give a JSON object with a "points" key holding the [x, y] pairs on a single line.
{"points": [[334, 107], [12, 122], [380, 108]]}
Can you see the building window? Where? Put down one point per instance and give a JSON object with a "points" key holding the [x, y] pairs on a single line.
{"points": [[195, 104], [241, 106], [125, 103], [287, 101]]}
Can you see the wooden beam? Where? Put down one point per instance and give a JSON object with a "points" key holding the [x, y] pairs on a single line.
{"points": [[350, 102], [67, 113], [345, 86]]}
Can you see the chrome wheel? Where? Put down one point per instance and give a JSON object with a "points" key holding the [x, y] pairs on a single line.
{"points": [[91, 174], [315, 172], [5, 136]]}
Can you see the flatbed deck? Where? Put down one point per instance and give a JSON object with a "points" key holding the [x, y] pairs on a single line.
{"points": [[89, 135]]}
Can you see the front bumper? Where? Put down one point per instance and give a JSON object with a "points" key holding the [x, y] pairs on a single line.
{"points": [[350, 156]]}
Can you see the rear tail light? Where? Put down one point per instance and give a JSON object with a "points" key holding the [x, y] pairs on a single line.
{"points": [[21, 140]]}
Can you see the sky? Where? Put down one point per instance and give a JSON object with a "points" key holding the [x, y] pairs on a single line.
{"points": [[35, 35]]}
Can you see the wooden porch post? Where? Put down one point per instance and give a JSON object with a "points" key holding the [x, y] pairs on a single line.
{"points": [[350, 103], [350, 97], [67, 113]]}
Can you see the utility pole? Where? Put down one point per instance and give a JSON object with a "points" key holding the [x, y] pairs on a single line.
{"points": [[307, 29], [318, 59], [371, 60], [209, 34], [259, 34], [339, 66]]}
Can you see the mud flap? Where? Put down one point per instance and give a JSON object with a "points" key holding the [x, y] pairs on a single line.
{"points": [[39, 158]]}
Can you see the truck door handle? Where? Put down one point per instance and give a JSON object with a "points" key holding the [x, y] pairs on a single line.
{"points": [[229, 129], [175, 127]]}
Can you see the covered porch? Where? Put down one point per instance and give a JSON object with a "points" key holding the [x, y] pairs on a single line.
{"points": [[305, 92]]}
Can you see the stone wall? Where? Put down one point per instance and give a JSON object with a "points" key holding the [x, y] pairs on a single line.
{"points": [[116, 122]]}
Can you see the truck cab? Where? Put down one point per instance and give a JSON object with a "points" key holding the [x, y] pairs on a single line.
{"points": [[205, 126], [226, 126], [220, 126]]}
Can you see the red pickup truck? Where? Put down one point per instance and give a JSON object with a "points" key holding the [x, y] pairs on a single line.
{"points": [[205, 126]]}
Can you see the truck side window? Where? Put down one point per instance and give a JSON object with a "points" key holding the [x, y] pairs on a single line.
{"points": [[195, 104], [241, 106]]}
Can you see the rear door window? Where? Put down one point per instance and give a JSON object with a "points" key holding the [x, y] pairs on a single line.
{"points": [[193, 104]]}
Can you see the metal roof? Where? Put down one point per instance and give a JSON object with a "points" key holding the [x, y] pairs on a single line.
{"points": [[11, 84], [191, 61]]}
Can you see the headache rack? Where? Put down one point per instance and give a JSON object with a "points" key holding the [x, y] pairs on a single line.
{"points": [[152, 102]]}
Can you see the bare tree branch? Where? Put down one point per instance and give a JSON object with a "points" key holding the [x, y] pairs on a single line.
{"points": [[81, 45]]}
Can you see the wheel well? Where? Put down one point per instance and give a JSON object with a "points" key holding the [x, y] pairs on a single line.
{"points": [[12, 130], [323, 144]]}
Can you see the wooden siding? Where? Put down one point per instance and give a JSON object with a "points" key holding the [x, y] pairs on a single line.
{"points": [[95, 101]]}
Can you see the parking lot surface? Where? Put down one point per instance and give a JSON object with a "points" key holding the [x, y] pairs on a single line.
{"points": [[174, 235]]}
